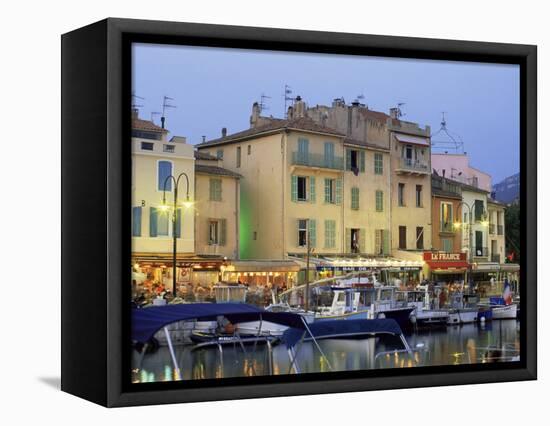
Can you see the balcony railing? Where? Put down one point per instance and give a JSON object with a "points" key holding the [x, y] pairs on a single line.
{"points": [[317, 160], [410, 165], [500, 229], [446, 227], [495, 258], [492, 228], [481, 252]]}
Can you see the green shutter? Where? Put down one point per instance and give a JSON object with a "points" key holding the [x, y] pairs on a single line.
{"points": [[153, 219], [362, 161], [223, 232], [362, 241], [379, 201], [294, 193], [347, 249], [348, 159], [378, 164], [178, 223], [386, 242], [312, 232], [327, 190], [136, 222], [355, 198], [338, 191], [312, 189]]}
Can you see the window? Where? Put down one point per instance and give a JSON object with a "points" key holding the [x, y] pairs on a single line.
{"points": [[329, 154], [479, 244], [302, 188], [238, 156], [401, 194], [147, 146], [330, 233], [419, 237], [168, 148], [382, 242], [164, 172], [355, 160], [249, 149], [217, 230], [379, 201], [163, 221], [447, 245], [215, 189], [302, 232], [418, 195], [378, 164], [303, 151], [333, 191], [403, 237], [446, 216], [219, 154], [355, 198], [478, 210], [136, 221]]}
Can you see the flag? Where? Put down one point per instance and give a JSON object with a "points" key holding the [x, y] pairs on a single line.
{"points": [[507, 293]]}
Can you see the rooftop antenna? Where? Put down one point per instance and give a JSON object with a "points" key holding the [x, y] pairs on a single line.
{"points": [[288, 97], [153, 113], [263, 106], [359, 98], [134, 100], [453, 142], [165, 104]]}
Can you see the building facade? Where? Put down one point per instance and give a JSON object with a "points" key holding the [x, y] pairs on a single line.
{"points": [[446, 212], [457, 167]]}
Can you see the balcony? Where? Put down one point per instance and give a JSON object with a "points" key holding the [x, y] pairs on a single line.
{"points": [[500, 229], [481, 252], [495, 258], [410, 166], [446, 227], [317, 160], [492, 228]]}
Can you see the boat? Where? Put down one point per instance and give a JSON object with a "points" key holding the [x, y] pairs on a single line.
{"points": [[503, 307], [423, 314], [462, 310], [504, 311]]}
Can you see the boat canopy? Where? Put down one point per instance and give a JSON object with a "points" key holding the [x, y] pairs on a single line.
{"points": [[147, 321], [328, 329]]}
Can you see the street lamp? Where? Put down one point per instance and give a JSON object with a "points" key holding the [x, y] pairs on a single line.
{"points": [[165, 207]]}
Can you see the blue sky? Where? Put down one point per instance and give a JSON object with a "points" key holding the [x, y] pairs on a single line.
{"points": [[214, 88]]}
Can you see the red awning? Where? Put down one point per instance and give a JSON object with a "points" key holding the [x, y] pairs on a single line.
{"points": [[458, 264]]}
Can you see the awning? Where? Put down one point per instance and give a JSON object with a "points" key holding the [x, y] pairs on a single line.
{"points": [[415, 140], [263, 266], [509, 267]]}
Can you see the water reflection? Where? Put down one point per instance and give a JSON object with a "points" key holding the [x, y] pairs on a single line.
{"points": [[466, 344]]}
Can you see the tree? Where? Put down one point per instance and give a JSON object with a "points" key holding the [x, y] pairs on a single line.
{"points": [[512, 221]]}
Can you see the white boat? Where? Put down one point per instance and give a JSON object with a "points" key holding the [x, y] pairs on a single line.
{"points": [[462, 309], [423, 314], [504, 311]]}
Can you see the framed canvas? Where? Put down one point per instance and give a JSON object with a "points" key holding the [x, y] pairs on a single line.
{"points": [[256, 212]]}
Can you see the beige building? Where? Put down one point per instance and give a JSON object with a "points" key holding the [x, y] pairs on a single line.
{"points": [[299, 175], [496, 231]]}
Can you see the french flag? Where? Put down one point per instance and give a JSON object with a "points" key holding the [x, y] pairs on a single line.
{"points": [[507, 293]]}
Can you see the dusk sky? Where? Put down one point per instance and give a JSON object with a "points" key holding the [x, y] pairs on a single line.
{"points": [[214, 88]]}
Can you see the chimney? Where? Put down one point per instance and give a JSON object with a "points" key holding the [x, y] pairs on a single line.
{"points": [[204, 139], [162, 120], [224, 132], [135, 113], [394, 113], [255, 114], [299, 108], [443, 171], [290, 113]]}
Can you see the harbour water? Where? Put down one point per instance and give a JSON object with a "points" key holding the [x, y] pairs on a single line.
{"points": [[494, 341]]}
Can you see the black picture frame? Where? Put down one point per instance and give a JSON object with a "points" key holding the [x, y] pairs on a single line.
{"points": [[95, 192]]}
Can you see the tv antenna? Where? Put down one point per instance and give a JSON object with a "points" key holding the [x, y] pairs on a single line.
{"points": [[359, 99], [153, 113], [135, 100], [263, 106], [453, 140], [288, 97], [165, 104]]}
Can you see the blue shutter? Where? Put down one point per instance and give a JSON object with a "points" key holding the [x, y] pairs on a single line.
{"points": [[153, 218], [165, 170], [136, 222], [178, 223]]}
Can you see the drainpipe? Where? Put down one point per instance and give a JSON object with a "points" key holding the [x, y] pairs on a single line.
{"points": [[284, 169]]}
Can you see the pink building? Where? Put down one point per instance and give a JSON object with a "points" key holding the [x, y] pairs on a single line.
{"points": [[457, 167]]}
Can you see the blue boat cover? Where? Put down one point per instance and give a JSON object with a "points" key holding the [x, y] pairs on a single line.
{"points": [[327, 329], [147, 321]]}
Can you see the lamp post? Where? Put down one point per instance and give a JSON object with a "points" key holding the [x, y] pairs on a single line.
{"points": [[165, 207]]}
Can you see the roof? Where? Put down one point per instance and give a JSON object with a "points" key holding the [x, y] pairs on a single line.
{"points": [[147, 125], [468, 187], [446, 194], [376, 115], [275, 125], [415, 140], [496, 202], [350, 141], [200, 155], [215, 170]]}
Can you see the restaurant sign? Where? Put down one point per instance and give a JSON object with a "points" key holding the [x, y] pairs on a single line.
{"points": [[444, 260]]}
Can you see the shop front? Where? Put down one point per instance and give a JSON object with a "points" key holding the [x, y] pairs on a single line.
{"points": [[489, 277], [448, 269]]}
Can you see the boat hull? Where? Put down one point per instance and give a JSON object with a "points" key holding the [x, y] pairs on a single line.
{"points": [[462, 316], [505, 312]]}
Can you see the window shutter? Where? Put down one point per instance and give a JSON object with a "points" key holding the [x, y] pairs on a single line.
{"points": [[338, 191], [298, 233], [312, 189], [208, 233], [378, 236], [294, 190], [355, 198], [386, 242], [136, 222], [153, 218], [329, 154], [211, 189], [347, 249], [348, 159], [223, 232], [178, 223], [327, 190], [165, 170], [362, 161], [362, 241], [312, 232]]}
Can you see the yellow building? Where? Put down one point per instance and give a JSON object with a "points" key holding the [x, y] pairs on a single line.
{"points": [[496, 231]]}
